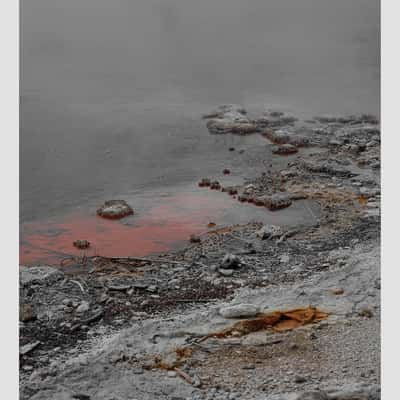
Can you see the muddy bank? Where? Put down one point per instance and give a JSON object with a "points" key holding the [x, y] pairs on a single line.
{"points": [[135, 328]]}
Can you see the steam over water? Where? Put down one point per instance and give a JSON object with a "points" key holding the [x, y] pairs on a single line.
{"points": [[112, 91]]}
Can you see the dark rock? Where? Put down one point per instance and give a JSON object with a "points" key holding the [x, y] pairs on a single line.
{"points": [[244, 198], [215, 185], [115, 209], [81, 244], [205, 182], [276, 114], [230, 189], [226, 171], [194, 239], [81, 396], [365, 312], [249, 367], [230, 261], [300, 379]]}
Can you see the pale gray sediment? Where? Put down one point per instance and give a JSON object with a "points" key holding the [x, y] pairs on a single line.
{"points": [[111, 332]]}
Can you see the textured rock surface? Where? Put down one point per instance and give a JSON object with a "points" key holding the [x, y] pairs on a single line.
{"points": [[285, 149], [278, 201], [115, 209], [40, 275], [230, 118]]}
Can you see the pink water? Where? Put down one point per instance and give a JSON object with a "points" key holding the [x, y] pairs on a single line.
{"points": [[162, 222]]}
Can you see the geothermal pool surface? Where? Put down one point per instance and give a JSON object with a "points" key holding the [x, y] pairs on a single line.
{"points": [[112, 93], [157, 226]]}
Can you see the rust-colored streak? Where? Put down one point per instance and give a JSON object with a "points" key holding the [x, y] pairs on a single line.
{"points": [[279, 321], [362, 200]]}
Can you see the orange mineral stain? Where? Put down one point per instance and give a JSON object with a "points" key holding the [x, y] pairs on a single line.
{"points": [[162, 222], [160, 228]]}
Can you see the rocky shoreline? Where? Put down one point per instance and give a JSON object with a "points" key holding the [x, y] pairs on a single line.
{"points": [[131, 328]]}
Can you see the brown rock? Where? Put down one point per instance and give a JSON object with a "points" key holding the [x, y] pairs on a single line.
{"points": [[194, 239], [366, 312], [81, 244], [26, 313]]}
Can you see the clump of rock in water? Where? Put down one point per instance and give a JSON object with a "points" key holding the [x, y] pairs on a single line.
{"points": [[115, 209], [247, 198], [204, 182], [230, 118], [231, 190], [215, 185], [278, 201], [81, 244], [273, 202]]}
